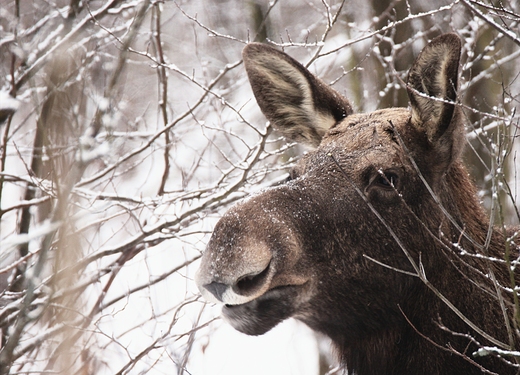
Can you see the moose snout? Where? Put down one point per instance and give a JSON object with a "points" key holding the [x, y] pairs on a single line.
{"points": [[242, 258], [217, 289], [245, 287], [234, 283]]}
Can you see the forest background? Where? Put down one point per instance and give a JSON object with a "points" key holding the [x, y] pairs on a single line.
{"points": [[127, 128]]}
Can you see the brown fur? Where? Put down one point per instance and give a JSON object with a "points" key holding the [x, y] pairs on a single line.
{"points": [[383, 197]]}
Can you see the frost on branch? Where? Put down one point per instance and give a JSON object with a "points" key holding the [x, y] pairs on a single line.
{"points": [[128, 128]]}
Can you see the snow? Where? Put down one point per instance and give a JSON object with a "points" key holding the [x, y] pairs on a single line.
{"points": [[289, 348], [7, 102]]}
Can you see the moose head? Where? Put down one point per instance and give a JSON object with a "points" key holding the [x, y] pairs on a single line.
{"points": [[360, 241]]}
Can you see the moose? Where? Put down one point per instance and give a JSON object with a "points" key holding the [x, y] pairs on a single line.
{"points": [[377, 239]]}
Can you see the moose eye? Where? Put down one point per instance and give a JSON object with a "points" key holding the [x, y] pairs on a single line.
{"points": [[387, 180]]}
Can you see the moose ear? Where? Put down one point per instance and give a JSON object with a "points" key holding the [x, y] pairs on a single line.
{"points": [[432, 89], [298, 104]]}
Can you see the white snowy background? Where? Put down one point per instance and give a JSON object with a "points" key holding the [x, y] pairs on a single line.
{"points": [[129, 127]]}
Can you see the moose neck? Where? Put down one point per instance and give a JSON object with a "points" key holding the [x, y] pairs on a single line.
{"points": [[464, 205], [425, 319]]}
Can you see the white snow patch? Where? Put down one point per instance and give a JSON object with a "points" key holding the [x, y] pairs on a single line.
{"points": [[8, 103]]}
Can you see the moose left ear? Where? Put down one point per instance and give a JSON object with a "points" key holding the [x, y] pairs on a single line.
{"points": [[432, 89]]}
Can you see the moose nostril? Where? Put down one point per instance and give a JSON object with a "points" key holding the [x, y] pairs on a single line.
{"points": [[217, 289], [249, 284]]}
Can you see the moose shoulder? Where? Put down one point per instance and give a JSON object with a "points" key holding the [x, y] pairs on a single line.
{"points": [[364, 242]]}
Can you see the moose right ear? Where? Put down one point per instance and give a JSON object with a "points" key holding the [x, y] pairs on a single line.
{"points": [[298, 104], [432, 89]]}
